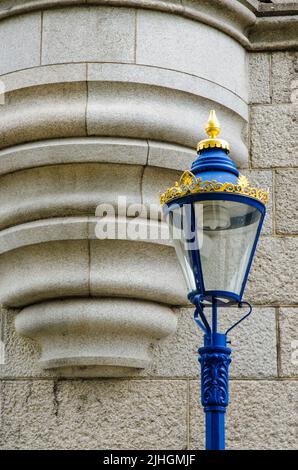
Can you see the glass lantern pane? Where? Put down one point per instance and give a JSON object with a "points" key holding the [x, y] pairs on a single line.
{"points": [[214, 238], [226, 231], [182, 231]]}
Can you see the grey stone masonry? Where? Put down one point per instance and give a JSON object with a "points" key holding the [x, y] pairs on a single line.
{"points": [[108, 98]]}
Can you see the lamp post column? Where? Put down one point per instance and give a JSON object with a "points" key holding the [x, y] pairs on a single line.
{"points": [[218, 216], [215, 360]]}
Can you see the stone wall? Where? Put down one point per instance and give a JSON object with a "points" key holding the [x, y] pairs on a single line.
{"points": [[62, 130]]}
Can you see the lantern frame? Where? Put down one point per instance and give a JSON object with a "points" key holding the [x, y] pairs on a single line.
{"points": [[218, 196]]}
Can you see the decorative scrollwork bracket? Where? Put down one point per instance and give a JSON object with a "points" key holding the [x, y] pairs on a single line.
{"points": [[215, 361]]}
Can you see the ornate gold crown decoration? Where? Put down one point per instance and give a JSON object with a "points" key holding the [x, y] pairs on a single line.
{"points": [[213, 129], [189, 184]]}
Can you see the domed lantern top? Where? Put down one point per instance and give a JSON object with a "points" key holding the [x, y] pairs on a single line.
{"points": [[215, 219]]}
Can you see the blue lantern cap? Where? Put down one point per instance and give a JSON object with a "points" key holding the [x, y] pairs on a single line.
{"points": [[213, 171], [222, 223], [213, 162]]}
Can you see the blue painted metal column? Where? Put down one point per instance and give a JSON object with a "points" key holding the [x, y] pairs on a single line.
{"points": [[215, 360]]}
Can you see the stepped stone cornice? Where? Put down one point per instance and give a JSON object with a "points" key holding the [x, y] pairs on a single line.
{"points": [[254, 24]]}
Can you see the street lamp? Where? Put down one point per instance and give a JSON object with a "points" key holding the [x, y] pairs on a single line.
{"points": [[215, 219]]}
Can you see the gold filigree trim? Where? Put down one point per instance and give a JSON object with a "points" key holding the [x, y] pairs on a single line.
{"points": [[189, 184]]}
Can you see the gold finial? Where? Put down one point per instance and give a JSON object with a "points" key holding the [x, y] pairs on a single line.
{"points": [[213, 129]]}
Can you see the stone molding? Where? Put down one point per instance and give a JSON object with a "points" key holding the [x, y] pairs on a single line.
{"points": [[87, 118], [45, 259], [87, 316], [62, 228], [117, 334], [244, 20], [95, 268], [275, 33], [96, 150], [155, 112], [85, 186]]}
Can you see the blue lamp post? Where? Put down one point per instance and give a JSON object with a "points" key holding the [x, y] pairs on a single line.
{"points": [[215, 219]]}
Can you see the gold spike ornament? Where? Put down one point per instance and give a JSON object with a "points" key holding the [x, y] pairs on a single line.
{"points": [[212, 130]]}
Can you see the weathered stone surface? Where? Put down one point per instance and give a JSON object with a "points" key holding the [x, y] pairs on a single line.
{"points": [[167, 78], [20, 353], [104, 343], [288, 328], [45, 230], [96, 337], [286, 203], [259, 77], [94, 414], [159, 113], [261, 415], [20, 42], [285, 77], [88, 34], [43, 271], [274, 136], [136, 269], [156, 181], [170, 156], [273, 278], [162, 99], [44, 75], [177, 355], [263, 179], [28, 415], [184, 45], [235, 17], [44, 112], [65, 190], [73, 150], [274, 33], [2, 340], [156, 419]]}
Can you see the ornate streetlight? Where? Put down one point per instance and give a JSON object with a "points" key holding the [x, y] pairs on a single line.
{"points": [[215, 219]]}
